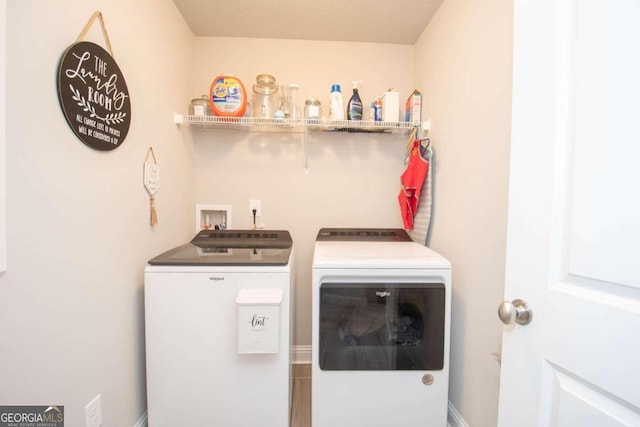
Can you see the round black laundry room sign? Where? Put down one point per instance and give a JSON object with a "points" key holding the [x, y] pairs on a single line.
{"points": [[93, 96]]}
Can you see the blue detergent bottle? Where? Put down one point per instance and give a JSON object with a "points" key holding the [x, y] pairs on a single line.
{"points": [[354, 107]]}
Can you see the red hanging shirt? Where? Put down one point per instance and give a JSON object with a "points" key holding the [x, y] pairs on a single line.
{"points": [[411, 185]]}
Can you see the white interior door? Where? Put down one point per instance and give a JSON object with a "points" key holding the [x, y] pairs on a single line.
{"points": [[573, 250]]}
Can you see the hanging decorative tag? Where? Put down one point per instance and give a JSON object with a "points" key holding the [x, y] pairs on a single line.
{"points": [[93, 94], [151, 178]]}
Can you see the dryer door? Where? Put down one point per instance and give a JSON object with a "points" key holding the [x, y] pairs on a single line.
{"points": [[382, 326]]}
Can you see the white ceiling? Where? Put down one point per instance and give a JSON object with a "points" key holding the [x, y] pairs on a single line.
{"points": [[376, 21]]}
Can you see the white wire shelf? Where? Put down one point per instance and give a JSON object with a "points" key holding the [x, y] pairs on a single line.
{"points": [[256, 124]]}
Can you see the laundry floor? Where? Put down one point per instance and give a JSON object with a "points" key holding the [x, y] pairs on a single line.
{"points": [[301, 405]]}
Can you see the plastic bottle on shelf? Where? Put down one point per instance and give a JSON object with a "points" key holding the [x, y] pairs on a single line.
{"points": [[336, 108], [377, 110], [354, 108], [227, 96]]}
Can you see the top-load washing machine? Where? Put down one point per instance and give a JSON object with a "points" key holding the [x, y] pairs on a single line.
{"points": [[218, 331], [381, 326]]}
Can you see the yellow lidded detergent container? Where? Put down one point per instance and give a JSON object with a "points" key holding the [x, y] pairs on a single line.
{"points": [[227, 96]]}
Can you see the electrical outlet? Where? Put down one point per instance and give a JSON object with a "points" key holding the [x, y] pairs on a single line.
{"points": [[255, 204], [93, 412]]}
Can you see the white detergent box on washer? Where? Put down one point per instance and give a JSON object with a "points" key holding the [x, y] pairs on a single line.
{"points": [[259, 320]]}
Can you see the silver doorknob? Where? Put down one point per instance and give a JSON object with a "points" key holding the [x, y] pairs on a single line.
{"points": [[517, 311]]}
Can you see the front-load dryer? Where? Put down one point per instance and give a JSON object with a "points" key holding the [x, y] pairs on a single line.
{"points": [[218, 331], [381, 323]]}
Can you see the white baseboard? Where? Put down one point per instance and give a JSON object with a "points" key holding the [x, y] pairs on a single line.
{"points": [[142, 422], [455, 419], [301, 354]]}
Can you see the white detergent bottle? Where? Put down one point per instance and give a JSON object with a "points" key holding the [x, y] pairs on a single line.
{"points": [[336, 108]]}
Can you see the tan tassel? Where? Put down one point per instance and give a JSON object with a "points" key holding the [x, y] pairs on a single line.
{"points": [[154, 214]]}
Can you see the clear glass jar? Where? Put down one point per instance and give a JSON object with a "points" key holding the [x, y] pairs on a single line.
{"points": [[200, 106], [284, 102], [294, 108], [312, 109], [265, 96]]}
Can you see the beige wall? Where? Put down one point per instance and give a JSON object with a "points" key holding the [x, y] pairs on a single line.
{"points": [[351, 180], [463, 64], [3, 133], [78, 233]]}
